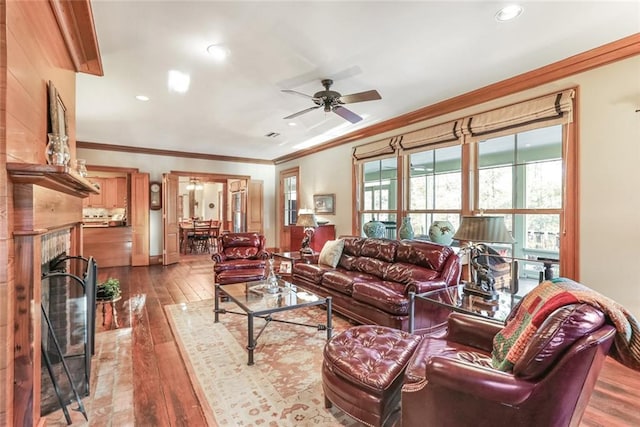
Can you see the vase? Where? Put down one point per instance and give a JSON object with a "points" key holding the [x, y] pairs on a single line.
{"points": [[57, 152], [406, 229], [81, 167], [272, 279], [441, 232], [374, 228]]}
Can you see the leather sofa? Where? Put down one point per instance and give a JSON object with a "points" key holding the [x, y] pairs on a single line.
{"points": [[450, 379], [373, 278]]}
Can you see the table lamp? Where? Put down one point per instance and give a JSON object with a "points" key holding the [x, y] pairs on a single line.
{"points": [[308, 221], [476, 230]]}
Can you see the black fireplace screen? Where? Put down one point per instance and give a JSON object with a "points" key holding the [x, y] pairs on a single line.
{"points": [[68, 331]]}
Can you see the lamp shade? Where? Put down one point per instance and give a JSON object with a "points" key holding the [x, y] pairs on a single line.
{"points": [[307, 220], [486, 229]]}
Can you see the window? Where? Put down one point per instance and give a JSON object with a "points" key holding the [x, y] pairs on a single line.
{"points": [[289, 187], [521, 175], [380, 192], [518, 161], [435, 187]]}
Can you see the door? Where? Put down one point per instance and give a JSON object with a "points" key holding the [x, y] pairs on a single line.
{"points": [[139, 219], [255, 217], [171, 241]]}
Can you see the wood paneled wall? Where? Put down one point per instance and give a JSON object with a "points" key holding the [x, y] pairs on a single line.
{"points": [[36, 53], [32, 52]]}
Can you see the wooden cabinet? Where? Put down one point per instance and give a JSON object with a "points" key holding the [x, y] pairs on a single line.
{"points": [[110, 195], [110, 246], [238, 185], [321, 235], [113, 194], [96, 200], [121, 192]]}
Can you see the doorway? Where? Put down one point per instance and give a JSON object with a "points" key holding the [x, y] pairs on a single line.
{"points": [[200, 196]]}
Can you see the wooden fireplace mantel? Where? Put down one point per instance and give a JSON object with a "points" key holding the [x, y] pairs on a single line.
{"points": [[58, 178]]}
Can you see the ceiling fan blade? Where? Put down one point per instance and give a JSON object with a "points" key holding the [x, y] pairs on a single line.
{"points": [[299, 113], [369, 95], [347, 114], [295, 92]]}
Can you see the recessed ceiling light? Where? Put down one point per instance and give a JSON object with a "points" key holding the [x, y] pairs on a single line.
{"points": [[293, 124], [218, 52], [178, 81], [142, 98], [508, 13]]}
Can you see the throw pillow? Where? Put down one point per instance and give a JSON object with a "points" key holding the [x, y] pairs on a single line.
{"points": [[331, 252]]}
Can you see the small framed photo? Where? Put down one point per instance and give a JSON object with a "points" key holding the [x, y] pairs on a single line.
{"points": [[285, 267], [324, 203]]}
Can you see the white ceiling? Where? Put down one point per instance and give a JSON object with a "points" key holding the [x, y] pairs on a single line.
{"points": [[414, 53]]}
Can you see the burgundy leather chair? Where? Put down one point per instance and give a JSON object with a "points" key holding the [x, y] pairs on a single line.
{"points": [[450, 380], [241, 257]]}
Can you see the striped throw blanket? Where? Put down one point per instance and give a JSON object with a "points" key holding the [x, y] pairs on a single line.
{"points": [[510, 343]]}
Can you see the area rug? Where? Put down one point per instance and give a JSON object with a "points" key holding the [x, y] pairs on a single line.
{"points": [[282, 388]]}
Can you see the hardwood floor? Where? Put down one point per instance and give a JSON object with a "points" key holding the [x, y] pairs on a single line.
{"points": [[163, 395]]}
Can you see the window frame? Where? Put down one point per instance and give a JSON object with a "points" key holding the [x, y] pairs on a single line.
{"points": [[569, 212], [282, 211]]}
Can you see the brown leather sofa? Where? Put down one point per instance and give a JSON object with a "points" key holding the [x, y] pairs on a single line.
{"points": [[450, 379], [241, 257], [373, 278]]}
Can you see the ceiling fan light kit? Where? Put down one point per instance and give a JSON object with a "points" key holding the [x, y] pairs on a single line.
{"points": [[332, 101]]}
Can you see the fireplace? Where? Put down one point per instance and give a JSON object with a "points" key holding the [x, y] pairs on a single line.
{"points": [[47, 222], [68, 323]]}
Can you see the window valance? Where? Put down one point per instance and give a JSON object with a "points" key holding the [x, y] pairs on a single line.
{"points": [[548, 110], [375, 150], [438, 136]]}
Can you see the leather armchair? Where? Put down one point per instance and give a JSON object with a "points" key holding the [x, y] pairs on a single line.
{"points": [[241, 257], [450, 380]]}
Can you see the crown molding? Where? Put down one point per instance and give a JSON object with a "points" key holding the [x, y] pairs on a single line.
{"points": [[156, 152]]}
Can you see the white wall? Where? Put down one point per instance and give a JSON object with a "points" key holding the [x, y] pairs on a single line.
{"points": [[328, 172], [155, 166], [609, 196]]}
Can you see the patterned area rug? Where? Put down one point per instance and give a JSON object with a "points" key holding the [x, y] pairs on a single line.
{"points": [[282, 388]]}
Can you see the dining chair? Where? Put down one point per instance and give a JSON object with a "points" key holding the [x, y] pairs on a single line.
{"points": [[200, 241]]}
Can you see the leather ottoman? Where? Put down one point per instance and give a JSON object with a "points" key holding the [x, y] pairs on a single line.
{"points": [[363, 371]]}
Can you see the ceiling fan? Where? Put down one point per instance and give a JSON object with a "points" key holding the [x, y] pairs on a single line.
{"points": [[334, 101]]}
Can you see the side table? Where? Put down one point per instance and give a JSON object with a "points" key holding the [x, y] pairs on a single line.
{"points": [[452, 298], [286, 260], [114, 312]]}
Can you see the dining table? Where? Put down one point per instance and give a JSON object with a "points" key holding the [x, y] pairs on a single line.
{"points": [[190, 227]]}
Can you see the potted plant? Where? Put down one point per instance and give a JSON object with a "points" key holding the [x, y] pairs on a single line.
{"points": [[109, 289]]}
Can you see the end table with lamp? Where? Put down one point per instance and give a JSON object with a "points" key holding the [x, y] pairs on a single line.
{"points": [[446, 300], [318, 233], [308, 221], [477, 231]]}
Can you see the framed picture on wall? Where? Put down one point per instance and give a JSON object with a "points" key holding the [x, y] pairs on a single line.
{"points": [[57, 112], [324, 203]]}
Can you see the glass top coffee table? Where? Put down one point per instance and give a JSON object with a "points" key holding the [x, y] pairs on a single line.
{"points": [[256, 300], [453, 298]]}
